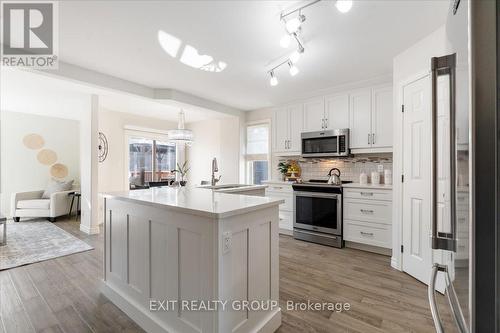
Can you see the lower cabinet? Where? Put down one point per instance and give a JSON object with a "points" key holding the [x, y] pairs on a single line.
{"points": [[284, 191], [368, 216]]}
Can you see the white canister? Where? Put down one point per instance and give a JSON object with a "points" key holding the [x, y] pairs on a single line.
{"points": [[363, 178], [375, 177], [388, 176]]}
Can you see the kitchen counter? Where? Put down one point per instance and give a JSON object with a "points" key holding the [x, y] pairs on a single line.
{"points": [[236, 189], [372, 186], [278, 182], [196, 201], [192, 244]]}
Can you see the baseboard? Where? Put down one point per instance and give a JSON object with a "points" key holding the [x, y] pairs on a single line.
{"points": [[271, 322], [369, 248], [395, 263], [286, 232], [89, 230]]}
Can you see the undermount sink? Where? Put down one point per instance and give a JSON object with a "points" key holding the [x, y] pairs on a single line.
{"points": [[215, 187]]}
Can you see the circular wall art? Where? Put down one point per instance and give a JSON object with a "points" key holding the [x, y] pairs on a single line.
{"points": [[103, 147], [59, 170], [47, 156], [33, 141]]}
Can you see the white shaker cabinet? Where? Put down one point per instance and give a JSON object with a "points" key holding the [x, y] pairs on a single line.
{"points": [[360, 119], [280, 129], [382, 105], [287, 126], [337, 111], [314, 115]]}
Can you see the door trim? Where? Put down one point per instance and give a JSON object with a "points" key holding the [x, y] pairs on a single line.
{"points": [[397, 210]]}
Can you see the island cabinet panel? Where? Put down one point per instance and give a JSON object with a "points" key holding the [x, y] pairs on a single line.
{"points": [[155, 254]]}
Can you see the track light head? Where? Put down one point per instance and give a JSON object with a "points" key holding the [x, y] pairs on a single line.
{"points": [[293, 69], [274, 80]]}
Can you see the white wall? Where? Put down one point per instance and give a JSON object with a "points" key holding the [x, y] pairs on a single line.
{"points": [[407, 66], [218, 138], [21, 170]]}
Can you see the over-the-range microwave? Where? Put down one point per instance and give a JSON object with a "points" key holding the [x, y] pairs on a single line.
{"points": [[327, 143]]}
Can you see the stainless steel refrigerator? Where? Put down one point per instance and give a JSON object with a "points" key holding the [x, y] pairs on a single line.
{"points": [[465, 152]]}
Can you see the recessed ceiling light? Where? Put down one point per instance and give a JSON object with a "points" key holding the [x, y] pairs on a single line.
{"points": [[343, 5]]}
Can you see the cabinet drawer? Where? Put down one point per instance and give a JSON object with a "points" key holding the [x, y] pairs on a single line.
{"points": [[368, 211], [286, 221], [368, 194], [288, 205], [368, 233]]}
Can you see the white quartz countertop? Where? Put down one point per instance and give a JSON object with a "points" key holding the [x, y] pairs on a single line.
{"points": [[196, 201], [279, 182], [373, 186], [237, 189]]}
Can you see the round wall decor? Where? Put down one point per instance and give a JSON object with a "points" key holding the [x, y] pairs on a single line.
{"points": [[103, 147]]}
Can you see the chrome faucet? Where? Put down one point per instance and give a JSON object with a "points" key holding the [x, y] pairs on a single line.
{"points": [[214, 170]]}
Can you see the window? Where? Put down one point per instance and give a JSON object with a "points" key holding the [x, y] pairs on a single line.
{"points": [[257, 157], [150, 160]]}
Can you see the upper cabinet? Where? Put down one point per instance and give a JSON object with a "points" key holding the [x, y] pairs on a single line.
{"points": [[314, 115], [382, 105], [360, 119], [366, 112], [337, 111], [370, 120], [331, 112], [287, 126]]}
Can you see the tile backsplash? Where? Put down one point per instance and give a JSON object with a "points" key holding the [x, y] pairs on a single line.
{"points": [[350, 167]]}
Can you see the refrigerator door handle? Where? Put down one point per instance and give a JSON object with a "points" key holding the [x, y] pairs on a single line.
{"points": [[443, 239], [432, 298], [455, 305]]}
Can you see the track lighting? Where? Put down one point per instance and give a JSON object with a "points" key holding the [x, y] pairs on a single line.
{"points": [[285, 41], [295, 57], [293, 69], [274, 80], [293, 25]]}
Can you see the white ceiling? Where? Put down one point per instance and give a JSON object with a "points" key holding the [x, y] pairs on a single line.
{"points": [[119, 38], [28, 92]]}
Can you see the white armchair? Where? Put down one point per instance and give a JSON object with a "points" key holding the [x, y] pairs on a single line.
{"points": [[31, 204]]}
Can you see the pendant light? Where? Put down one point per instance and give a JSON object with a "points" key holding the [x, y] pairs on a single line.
{"points": [[180, 135]]}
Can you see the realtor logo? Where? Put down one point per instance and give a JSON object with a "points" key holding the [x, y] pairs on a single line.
{"points": [[29, 34]]}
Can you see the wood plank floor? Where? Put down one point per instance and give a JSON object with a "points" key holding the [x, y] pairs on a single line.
{"points": [[61, 295]]}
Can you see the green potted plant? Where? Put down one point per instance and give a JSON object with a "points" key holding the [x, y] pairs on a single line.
{"points": [[183, 172], [283, 169]]}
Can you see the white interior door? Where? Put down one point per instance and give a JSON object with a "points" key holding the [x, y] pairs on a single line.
{"points": [[417, 254]]}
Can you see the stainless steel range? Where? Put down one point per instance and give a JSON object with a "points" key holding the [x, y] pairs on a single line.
{"points": [[317, 208]]}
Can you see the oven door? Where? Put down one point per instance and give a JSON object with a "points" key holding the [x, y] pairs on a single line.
{"points": [[318, 212]]}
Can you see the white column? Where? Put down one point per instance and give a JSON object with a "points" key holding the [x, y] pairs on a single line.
{"points": [[89, 136]]}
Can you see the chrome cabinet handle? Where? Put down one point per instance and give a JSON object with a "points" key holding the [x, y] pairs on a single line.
{"points": [[373, 138], [323, 123], [366, 211], [366, 233], [367, 194], [277, 187], [326, 122], [368, 138], [443, 240]]}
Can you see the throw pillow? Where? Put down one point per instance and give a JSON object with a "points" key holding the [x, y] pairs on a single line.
{"points": [[57, 186]]}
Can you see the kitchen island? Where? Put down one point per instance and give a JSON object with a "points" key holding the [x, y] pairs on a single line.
{"points": [[193, 260]]}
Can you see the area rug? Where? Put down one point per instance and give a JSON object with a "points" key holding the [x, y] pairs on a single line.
{"points": [[30, 242]]}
